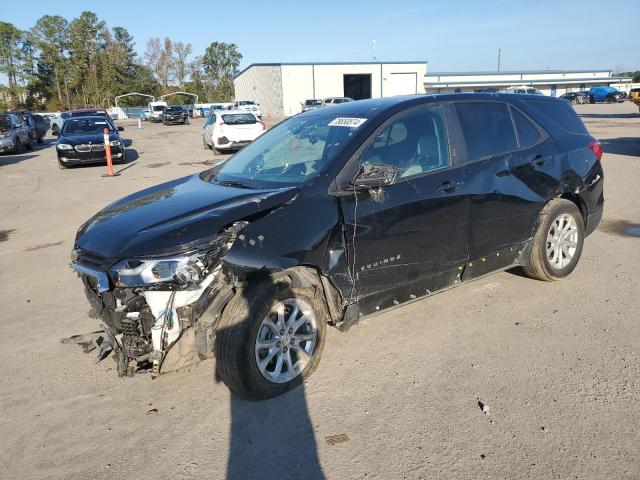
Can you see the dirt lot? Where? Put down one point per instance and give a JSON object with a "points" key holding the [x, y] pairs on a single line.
{"points": [[557, 364]]}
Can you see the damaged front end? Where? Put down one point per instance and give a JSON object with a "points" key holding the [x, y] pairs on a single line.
{"points": [[155, 310]]}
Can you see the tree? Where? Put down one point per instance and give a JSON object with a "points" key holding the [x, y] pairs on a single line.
{"points": [[181, 68], [50, 37], [86, 41], [160, 58], [220, 63], [10, 55]]}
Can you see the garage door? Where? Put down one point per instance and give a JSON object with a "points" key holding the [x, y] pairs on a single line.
{"points": [[402, 84]]}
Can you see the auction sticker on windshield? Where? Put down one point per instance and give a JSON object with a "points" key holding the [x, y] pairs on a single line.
{"points": [[347, 122]]}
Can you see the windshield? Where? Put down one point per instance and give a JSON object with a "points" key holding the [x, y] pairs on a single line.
{"points": [[291, 153], [158, 108], [85, 126], [239, 119], [313, 102], [5, 121], [174, 109]]}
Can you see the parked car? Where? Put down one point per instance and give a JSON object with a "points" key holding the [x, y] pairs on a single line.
{"points": [[58, 121], [336, 100], [37, 125], [90, 112], [248, 105], [334, 215], [230, 129], [81, 141], [14, 134], [311, 104], [580, 97], [156, 109], [522, 90], [42, 125], [615, 97], [175, 114], [634, 93], [604, 94], [144, 114]]}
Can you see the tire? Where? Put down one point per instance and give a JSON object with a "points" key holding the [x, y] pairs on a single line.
{"points": [[204, 144], [55, 129], [242, 323], [40, 140], [62, 166], [546, 262], [31, 143]]}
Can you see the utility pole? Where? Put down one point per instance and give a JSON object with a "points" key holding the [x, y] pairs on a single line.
{"points": [[499, 52], [374, 50]]}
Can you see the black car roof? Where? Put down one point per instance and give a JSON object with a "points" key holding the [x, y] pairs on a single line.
{"points": [[383, 107]]}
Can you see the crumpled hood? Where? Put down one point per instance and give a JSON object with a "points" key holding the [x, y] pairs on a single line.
{"points": [[172, 217]]}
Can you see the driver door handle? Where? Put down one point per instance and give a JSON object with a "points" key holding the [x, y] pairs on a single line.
{"points": [[449, 186]]}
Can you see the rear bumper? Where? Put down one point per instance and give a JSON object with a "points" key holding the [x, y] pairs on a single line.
{"points": [[232, 145], [593, 220]]}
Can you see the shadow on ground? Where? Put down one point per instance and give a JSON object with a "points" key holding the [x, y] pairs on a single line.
{"points": [[271, 438], [609, 115], [622, 146]]}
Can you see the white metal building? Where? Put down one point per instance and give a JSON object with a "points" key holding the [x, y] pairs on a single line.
{"points": [[550, 82], [280, 88]]}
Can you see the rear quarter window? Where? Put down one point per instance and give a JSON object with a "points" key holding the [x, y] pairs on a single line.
{"points": [[528, 133], [561, 113], [487, 129]]}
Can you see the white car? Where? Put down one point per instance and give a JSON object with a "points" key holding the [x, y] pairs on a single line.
{"points": [[231, 129], [522, 89], [156, 109], [57, 121], [336, 100], [248, 105]]}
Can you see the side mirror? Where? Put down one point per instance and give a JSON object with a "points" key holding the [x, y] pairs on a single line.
{"points": [[121, 129], [374, 175]]}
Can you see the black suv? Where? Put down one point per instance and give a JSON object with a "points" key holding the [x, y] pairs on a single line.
{"points": [[333, 215], [175, 114]]}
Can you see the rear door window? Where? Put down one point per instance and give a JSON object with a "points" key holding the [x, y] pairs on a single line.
{"points": [[561, 113], [528, 134], [487, 129]]}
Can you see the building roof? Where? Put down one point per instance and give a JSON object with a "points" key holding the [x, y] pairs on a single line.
{"points": [[526, 81], [280, 64], [514, 72]]}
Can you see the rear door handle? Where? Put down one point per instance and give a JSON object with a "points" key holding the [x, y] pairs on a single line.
{"points": [[539, 161], [449, 186]]}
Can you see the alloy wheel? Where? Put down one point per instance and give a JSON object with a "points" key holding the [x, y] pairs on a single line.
{"points": [[286, 340], [562, 241]]}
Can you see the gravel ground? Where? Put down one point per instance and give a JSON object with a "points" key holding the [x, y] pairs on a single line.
{"points": [[556, 365]]}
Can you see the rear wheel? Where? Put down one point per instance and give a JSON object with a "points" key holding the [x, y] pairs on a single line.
{"points": [[557, 244], [270, 339]]}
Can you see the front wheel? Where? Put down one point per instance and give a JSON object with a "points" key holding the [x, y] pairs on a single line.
{"points": [[557, 244], [270, 339]]}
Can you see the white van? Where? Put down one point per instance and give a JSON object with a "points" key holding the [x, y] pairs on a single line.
{"points": [[155, 111]]}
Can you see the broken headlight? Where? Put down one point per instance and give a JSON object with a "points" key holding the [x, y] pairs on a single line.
{"points": [[187, 269]]}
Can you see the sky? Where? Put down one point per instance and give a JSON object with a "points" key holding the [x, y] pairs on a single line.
{"points": [[450, 35]]}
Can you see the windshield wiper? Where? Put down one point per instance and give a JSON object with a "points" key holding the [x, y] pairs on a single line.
{"points": [[234, 183]]}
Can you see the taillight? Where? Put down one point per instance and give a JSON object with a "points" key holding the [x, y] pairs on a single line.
{"points": [[596, 148]]}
